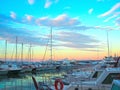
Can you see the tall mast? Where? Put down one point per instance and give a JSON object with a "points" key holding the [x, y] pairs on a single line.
{"points": [[16, 49], [108, 44], [22, 53], [5, 49], [51, 43], [30, 52]]}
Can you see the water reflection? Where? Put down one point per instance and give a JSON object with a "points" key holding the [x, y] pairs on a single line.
{"points": [[24, 81]]}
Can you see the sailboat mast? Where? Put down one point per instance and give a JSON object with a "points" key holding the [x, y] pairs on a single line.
{"points": [[108, 44], [16, 49], [51, 43], [5, 50], [22, 53], [30, 52]]}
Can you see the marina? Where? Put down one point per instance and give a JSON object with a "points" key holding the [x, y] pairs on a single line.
{"points": [[72, 77], [59, 45]]}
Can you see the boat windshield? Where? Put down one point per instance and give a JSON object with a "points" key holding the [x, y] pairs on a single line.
{"points": [[96, 74], [110, 77]]}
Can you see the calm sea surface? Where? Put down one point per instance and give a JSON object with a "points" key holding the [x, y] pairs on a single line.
{"points": [[24, 81]]}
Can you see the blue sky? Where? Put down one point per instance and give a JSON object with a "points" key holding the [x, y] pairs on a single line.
{"points": [[77, 24]]}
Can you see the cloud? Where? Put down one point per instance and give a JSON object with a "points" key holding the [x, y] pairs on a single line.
{"points": [[61, 20], [8, 19], [29, 17], [43, 21], [10, 28], [109, 18], [117, 21], [24, 36], [47, 4], [13, 15], [105, 27], [67, 39], [77, 27], [64, 20], [76, 40], [90, 11], [114, 8], [31, 2]]}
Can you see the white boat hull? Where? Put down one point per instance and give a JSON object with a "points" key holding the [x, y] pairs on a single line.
{"points": [[3, 72]]}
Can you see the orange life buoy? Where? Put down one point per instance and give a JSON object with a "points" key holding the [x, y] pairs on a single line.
{"points": [[58, 81]]}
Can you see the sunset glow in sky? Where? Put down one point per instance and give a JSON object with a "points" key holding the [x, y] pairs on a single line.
{"points": [[79, 28]]}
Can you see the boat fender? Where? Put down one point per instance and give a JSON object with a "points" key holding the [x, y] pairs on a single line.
{"points": [[58, 82]]}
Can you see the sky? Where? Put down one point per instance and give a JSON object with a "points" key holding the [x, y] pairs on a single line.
{"points": [[80, 29]]}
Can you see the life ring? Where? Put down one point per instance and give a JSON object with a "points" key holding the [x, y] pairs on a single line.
{"points": [[58, 81]]}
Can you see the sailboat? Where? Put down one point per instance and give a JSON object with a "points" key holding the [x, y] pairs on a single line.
{"points": [[12, 67], [7, 67], [4, 71], [26, 67]]}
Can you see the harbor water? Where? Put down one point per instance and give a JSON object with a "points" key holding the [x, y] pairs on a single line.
{"points": [[25, 82]]}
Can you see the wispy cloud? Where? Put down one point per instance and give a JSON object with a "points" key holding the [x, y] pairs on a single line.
{"points": [[105, 27], [77, 27], [90, 11], [114, 8], [48, 3], [109, 18], [13, 15], [66, 39], [31, 2], [76, 40], [61, 20], [117, 21], [24, 36], [43, 21], [10, 28], [64, 20]]}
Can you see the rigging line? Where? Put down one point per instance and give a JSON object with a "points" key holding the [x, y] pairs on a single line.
{"points": [[45, 50]]}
